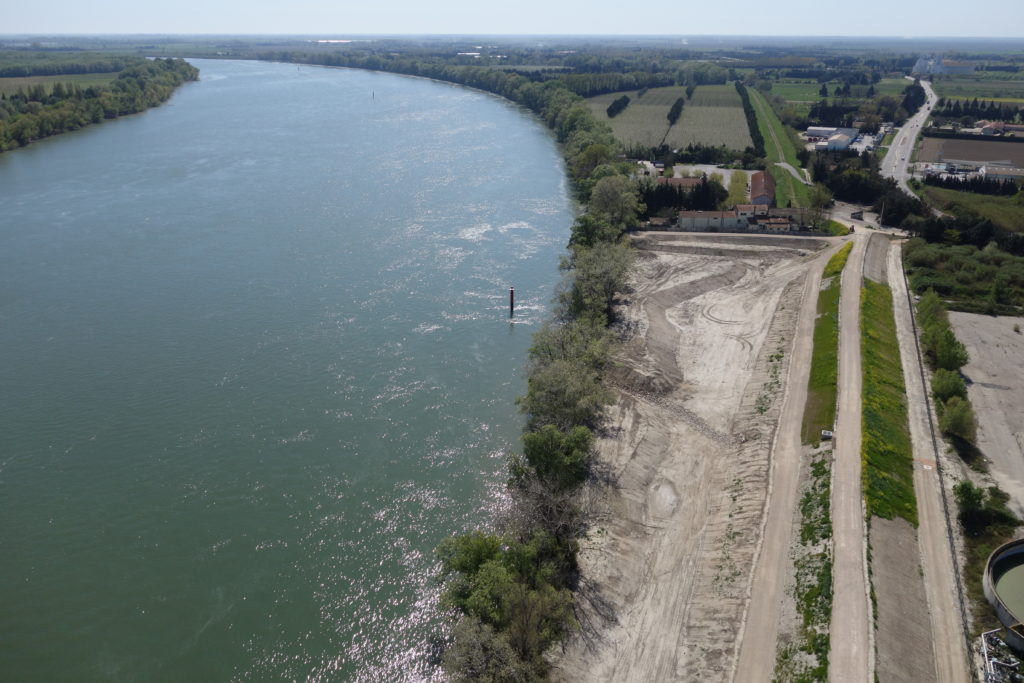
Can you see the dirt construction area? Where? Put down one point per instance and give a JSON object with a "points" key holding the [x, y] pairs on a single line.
{"points": [[666, 569]]}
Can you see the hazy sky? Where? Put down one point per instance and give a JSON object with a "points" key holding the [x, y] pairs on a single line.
{"points": [[677, 17]]}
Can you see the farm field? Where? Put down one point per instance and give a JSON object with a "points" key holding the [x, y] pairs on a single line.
{"points": [[940, 149], [1005, 212], [963, 87], [808, 91], [11, 85], [713, 117], [645, 120]]}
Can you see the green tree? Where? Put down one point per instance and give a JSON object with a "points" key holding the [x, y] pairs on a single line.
{"points": [[564, 394], [823, 92], [616, 199], [558, 458], [598, 274], [820, 199], [958, 421], [970, 501], [950, 353], [479, 654], [676, 110], [946, 384]]}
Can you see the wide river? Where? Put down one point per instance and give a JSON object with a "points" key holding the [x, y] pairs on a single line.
{"points": [[256, 364]]}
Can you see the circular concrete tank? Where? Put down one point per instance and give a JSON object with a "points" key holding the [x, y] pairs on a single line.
{"points": [[1003, 583]]}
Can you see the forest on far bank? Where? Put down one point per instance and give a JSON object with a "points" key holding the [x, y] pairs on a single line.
{"points": [[32, 112]]}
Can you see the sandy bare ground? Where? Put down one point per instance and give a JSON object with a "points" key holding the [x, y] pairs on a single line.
{"points": [[936, 552], [710, 326], [996, 388], [851, 653]]}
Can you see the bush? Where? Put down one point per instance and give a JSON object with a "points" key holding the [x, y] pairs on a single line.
{"points": [[950, 353], [957, 420], [946, 384], [559, 459]]}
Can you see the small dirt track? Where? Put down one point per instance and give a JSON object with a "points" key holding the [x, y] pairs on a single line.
{"points": [[850, 658], [767, 590]]}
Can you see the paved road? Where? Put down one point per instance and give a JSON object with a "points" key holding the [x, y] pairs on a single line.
{"points": [[951, 664], [851, 656], [773, 566], [897, 159]]}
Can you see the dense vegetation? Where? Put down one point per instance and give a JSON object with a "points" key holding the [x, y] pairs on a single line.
{"points": [[945, 355], [976, 184], [965, 112], [822, 382], [707, 195], [987, 523], [885, 446], [39, 112], [987, 280]]}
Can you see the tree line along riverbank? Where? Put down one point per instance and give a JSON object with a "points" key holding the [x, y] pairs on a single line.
{"points": [[37, 111], [511, 588]]}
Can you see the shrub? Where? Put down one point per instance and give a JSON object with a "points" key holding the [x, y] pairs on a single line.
{"points": [[946, 384]]}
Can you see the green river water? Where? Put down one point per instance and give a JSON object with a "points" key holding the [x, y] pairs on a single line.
{"points": [[257, 363]]}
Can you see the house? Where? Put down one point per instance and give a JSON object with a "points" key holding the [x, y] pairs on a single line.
{"points": [[762, 188], [748, 210], [991, 127], [711, 220], [742, 218]]}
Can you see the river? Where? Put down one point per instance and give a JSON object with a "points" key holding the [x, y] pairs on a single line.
{"points": [[257, 363]]}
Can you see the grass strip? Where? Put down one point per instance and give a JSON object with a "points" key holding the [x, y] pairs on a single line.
{"points": [[820, 408], [835, 228], [886, 455], [779, 148]]}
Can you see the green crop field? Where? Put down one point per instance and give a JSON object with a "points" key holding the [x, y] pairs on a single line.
{"points": [[11, 85], [713, 117], [808, 91], [969, 87]]}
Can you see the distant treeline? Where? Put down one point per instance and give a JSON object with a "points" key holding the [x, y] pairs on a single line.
{"points": [[976, 184], [14, 64], [37, 112], [990, 110], [694, 154]]}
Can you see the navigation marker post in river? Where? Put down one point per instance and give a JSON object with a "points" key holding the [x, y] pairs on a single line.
{"points": [[511, 302]]}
